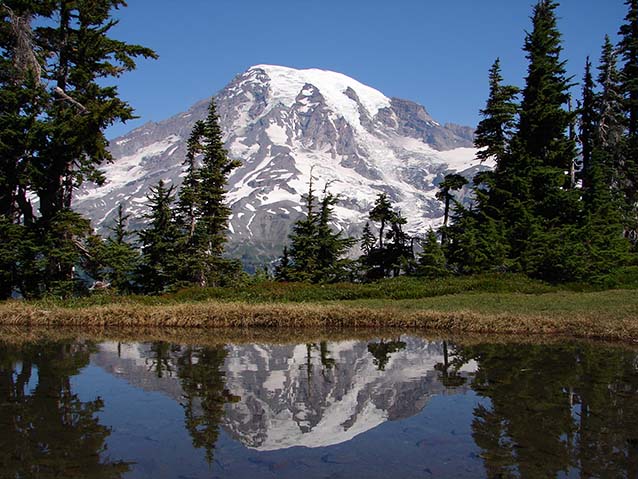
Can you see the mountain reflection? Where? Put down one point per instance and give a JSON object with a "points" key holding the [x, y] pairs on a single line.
{"points": [[46, 431], [504, 410], [556, 409]]}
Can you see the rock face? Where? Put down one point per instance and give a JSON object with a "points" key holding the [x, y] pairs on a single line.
{"points": [[284, 124]]}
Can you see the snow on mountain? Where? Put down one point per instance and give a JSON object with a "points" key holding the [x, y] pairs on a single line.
{"points": [[283, 124]]}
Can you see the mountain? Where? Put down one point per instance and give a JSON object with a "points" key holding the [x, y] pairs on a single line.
{"points": [[283, 123]]}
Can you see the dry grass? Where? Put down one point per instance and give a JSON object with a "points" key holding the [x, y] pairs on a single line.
{"points": [[605, 315]]}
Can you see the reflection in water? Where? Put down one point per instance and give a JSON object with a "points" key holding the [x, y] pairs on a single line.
{"points": [[556, 409], [205, 394], [392, 406], [46, 431]]}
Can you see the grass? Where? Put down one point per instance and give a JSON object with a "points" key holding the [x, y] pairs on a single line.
{"points": [[483, 304]]}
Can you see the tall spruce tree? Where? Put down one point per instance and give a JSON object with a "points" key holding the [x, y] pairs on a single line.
{"points": [[55, 106], [494, 131], [628, 48], [543, 154], [160, 241], [316, 252], [203, 211], [119, 258]]}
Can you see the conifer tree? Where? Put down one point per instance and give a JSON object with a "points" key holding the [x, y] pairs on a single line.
{"points": [[451, 182], [202, 209], [119, 258], [54, 107], [316, 251], [160, 241], [431, 262], [494, 131], [628, 48], [283, 267], [303, 239], [332, 246], [368, 239]]}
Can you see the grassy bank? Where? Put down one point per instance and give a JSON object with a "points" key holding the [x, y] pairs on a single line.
{"points": [[500, 305], [611, 315]]}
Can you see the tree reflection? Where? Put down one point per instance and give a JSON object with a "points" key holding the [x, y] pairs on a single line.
{"points": [[46, 431], [382, 350], [555, 410], [205, 394]]}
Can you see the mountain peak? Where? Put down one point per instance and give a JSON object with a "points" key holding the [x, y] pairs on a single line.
{"points": [[287, 83]]}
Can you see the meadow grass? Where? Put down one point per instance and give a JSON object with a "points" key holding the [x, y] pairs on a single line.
{"points": [[487, 304]]}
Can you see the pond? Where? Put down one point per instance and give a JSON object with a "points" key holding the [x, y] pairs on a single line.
{"points": [[371, 405]]}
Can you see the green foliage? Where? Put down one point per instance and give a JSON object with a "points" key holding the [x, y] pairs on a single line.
{"points": [[432, 263], [202, 211], [159, 263], [56, 60], [393, 253], [316, 252]]}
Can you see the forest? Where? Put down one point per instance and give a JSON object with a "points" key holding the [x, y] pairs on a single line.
{"points": [[560, 206]]}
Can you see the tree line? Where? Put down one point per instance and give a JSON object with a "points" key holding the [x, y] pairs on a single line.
{"points": [[561, 203]]}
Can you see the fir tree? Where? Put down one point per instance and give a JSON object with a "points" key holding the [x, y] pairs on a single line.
{"points": [[160, 262], [203, 212], [303, 239], [431, 263], [332, 246], [119, 258], [451, 182], [628, 48], [54, 107], [283, 268], [316, 251], [494, 131]]}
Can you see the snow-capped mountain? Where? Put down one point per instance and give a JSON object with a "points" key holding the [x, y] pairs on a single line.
{"points": [[283, 123], [302, 395]]}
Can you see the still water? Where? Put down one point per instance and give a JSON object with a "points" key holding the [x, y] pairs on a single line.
{"points": [[388, 406]]}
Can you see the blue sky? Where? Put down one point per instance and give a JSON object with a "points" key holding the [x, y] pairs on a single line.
{"points": [[436, 53]]}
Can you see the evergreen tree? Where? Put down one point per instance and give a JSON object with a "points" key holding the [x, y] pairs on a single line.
{"points": [[628, 48], [54, 107], [395, 253], [432, 262], [368, 239], [119, 258], [160, 241], [316, 251], [494, 131], [451, 182], [332, 246], [203, 212], [304, 247], [283, 268]]}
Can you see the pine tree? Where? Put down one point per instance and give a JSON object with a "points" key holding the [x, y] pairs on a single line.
{"points": [[54, 107], [432, 263], [494, 131], [316, 252], [203, 212], [303, 239], [368, 239], [451, 182], [119, 258], [160, 241], [332, 246], [628, 48], [284, 267]]}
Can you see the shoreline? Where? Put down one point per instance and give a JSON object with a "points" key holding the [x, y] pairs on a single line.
{"points": [[418, 315]]}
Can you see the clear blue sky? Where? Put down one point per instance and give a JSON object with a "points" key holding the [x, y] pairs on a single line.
{"points": [[436, 53]]}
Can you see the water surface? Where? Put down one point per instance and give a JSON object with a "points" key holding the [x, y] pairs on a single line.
{"points": [[387, 406]]}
